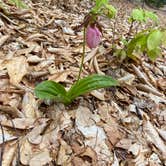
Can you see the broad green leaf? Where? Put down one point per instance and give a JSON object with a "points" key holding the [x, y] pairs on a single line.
{"points": [[151, 15], [98, 6], [18, 3], [153, 54], [138, 15], [139, 41], [164, 38], [90, 83], [110, 11], [154, 39], [51, 90]]}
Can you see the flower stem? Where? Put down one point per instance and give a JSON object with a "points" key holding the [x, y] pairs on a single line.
{"points": [[83, 53]]}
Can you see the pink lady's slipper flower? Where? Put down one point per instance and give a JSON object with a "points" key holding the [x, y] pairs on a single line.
{"points": [[93, 36]]}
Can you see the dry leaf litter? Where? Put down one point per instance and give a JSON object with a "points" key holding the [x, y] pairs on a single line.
{"points": [[115, 126]]}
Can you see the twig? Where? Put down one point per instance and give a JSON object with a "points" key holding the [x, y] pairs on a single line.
{"points": [[8, 19], [12, 91], [3, 145]]}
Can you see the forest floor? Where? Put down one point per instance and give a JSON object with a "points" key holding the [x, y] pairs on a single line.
{"points": [[123, 126]]}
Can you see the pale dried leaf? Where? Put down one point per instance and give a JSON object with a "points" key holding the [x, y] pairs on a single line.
{"points": [[98, 94], [26, 152], [19, 123], [153, 137], [162, 133], [10, 151], [63, 154], [40, 158], [90, 55], [17, 68], [60, 76], [3, 39], [29, 105], [116, 162], [35, 136], [7, 136]]}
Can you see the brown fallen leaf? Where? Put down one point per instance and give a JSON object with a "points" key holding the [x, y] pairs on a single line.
{"points": [[76, 161], [6, 135], [98, 94], [153, 137], [140, 158], [154, 160], [60, 76], [90, 55], [17, 68], [116, 162], [26, 151], [9, 152], [12, 111], [3, 39], [19, 123], [35, 136], [124, 143], [161, 83], [89, 152], [41, 158], [148, 89], [162, 133], [29, 106], [94, 135], [64, 153], [112, 133]]}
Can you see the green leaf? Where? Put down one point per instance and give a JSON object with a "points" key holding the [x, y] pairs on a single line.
{"points": [[109, 11], [51, 90], [90, 83], [151, 15], [154, 39], [153, 54], [98, 6], [138, 42], [164, 38], [138, 15], [18, 3]]}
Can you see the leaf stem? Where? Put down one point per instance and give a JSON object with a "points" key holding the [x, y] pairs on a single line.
{"points": [[83, 53]]}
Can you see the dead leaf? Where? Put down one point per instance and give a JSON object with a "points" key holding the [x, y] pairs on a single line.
{"points": [[116, 162], [153, 137], [162, 133], [7, 136], [26, 151], [41, 158], [35, 136], [89, 152], [64, 153], [29, 106], [3, 39], [17, 68], [60, 76], [9, 152], [19, 123], [98, 94], [76, 161], [124, 143]]}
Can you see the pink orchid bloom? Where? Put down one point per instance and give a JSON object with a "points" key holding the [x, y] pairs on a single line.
{"points": [[93, 36]]}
